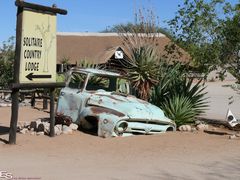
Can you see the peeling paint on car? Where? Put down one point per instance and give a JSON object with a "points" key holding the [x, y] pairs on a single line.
{"points": [[111, 112]]}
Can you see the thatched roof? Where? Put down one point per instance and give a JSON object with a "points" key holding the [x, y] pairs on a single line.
{"points": [[97, 48]]}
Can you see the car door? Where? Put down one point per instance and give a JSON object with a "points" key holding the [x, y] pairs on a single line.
{"points": [[71, 98]]}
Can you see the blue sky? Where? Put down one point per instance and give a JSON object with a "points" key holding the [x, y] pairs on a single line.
{"points": [[90, 15]]}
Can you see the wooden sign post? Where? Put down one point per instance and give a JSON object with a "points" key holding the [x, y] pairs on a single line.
{"points": [[35, 56]]}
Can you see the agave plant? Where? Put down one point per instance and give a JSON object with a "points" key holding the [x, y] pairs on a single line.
{"points": [[169, 78], [83, 63], [143, 71], [179, 97], [180, 109], [196, 93], [141, 43]]}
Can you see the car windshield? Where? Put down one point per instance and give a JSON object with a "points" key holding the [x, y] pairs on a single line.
{"points": [[77, 80], [108, 83]]}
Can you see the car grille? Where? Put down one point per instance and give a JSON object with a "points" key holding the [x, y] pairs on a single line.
{"points": [[143, 130], [146, 128], [148, 122]]}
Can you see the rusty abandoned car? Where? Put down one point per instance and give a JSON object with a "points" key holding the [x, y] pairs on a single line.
{"points": [[100, 101]]}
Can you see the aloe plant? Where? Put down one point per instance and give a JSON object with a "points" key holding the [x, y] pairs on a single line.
{"points": [[180, 109], [179, 97], [143, 71], [84, 63]]}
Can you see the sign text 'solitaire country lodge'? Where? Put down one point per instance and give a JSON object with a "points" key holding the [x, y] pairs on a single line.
{"points": [[38, 48], [35, 56]]}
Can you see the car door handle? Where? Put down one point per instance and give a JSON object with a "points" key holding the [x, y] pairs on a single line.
{"points": [[62, 93]]}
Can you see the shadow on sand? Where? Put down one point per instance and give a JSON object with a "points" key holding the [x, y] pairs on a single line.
{"points": [[3, 131]]}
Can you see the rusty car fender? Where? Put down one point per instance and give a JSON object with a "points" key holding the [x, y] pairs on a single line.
{"points": [[105, 118]]}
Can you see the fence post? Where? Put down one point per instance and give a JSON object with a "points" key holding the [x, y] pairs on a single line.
{"points": [[52, 112]]}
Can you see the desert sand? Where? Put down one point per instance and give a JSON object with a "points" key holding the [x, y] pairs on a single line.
{"points": [[173, 155]]}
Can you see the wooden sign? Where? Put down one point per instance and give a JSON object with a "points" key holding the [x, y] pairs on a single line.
{"points": [[38, 47], [35, 56]]}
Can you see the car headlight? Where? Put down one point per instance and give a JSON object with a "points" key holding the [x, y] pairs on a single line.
{"points": [[105, 121], [121, 126]]}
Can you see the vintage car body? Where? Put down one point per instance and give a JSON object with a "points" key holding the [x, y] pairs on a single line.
{"points": [[100, 100]]}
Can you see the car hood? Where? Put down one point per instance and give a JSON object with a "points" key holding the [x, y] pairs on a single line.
{"points": [[129, 106]]}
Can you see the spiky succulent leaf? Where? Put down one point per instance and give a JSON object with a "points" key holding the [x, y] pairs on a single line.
{"points": [[143, 70], [180, 109]]}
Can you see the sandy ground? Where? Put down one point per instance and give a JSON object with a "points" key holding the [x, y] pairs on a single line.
{"points": [[82, 156]]}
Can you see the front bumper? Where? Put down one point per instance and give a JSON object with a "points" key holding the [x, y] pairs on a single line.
{"points": [[144, 128]]}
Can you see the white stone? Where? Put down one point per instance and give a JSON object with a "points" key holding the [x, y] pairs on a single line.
{"points": [[40, 133], [20, 125], [26, 124], [187, 128], [58, 129], [67, 130], [194, 129], [232, 136], [24, 131], [33, 133], [237, 135], [202, 127], [5, 105], [197, 122], [8, 97], [46, 127], [38, 121], [73, 126], [25, 103], [180, 128]]}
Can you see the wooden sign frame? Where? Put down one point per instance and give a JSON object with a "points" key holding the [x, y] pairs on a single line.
{"points": [[16, 86]]}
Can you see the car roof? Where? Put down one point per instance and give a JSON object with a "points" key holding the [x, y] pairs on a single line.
{"points": [[96, 71]]}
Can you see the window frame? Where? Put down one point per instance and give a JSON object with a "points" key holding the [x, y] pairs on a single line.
{"points": [[84, 82]]}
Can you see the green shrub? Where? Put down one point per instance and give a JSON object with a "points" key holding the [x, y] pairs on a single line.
{"points": [[180, 98], [59, 78], [180, 109], [142, 71], [7, 54]]}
